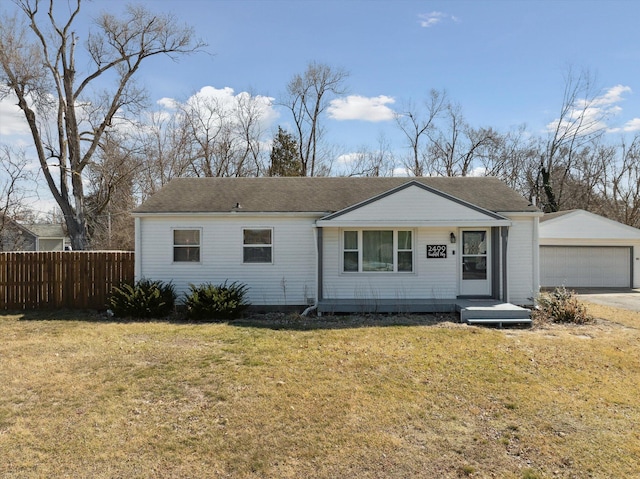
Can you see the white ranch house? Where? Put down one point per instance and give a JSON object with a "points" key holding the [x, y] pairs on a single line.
{"points": [[344, 244]]}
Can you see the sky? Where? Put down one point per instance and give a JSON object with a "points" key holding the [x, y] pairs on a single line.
{"points": [[502, 61]]}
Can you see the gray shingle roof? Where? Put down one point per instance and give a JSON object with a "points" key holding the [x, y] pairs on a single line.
{"points": [[557, 214], [43, 230], [317, 194]]}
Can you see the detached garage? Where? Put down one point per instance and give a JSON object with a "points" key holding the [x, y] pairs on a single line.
{"points": [[579, 249]]}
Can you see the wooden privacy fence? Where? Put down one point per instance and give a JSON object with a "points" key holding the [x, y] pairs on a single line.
{"points": [[62, 279]]}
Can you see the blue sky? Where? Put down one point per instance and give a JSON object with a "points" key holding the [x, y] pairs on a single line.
{"points": [[502, 61]]}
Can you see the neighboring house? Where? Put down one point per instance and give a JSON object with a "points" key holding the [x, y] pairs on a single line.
{"points": [[582, 249], [32, 237], [385, 242]]}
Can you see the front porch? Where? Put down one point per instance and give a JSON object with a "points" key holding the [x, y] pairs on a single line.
{"points": [[471, 311]]}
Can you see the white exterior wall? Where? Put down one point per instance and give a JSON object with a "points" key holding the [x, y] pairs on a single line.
{"points": [[581, 228], [523, 275], [289, 280], [413, 206], [431, 278]]}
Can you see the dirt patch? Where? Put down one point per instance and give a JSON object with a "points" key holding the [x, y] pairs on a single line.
{"points": [[299, 322]]}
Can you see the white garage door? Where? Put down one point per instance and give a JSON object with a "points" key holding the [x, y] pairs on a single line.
{"points": [[585, 266]]}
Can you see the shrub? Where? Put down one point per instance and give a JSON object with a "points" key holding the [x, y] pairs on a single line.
{"points": [[561, 306], [144, 299], [216, 302]]}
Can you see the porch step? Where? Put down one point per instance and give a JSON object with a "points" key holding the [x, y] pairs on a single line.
{"points": [[500, 321], [496, 313]]}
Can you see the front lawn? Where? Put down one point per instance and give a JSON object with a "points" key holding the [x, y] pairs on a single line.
{"points": [[352, 397]]}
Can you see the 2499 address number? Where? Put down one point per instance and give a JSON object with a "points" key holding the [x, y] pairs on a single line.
{"points": [[436, 251]]}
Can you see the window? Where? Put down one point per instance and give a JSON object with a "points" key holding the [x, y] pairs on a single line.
{"points": [[474, 255], [257, 245], [186, 245], [405, 251], [377, 250], [351, 251]]}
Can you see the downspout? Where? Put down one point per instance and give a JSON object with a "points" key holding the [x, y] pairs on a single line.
{"points": [[317, 243], [504, 233], [536, 260], [138, 250]]}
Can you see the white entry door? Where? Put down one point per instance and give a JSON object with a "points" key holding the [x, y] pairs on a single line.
{"points": [[475, 263]]}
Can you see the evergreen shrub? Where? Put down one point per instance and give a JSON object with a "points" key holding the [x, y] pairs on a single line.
{"points": [[143, 299], [209, 302]]}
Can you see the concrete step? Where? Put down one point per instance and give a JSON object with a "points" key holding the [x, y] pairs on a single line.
{"points": [[496, 312], [499, 322]]}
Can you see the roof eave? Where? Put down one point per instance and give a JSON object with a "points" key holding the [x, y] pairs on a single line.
{"points": [[315, 214]]}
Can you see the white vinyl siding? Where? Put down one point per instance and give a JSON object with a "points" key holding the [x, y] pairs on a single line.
{"points": [[50, 244], [289, 280], [412, 206], [431, 278], [523, 284]]}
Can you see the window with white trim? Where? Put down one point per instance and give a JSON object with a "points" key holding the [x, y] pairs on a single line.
{"points": [[377, 250], [186, 245], [257, 245], [350, 255]]}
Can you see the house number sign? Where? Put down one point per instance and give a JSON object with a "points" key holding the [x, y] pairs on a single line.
{"points": [[436, 251]]}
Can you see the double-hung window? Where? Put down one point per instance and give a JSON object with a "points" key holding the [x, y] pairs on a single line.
{"points": [[257, 245], [186, 245], [378, 250]]}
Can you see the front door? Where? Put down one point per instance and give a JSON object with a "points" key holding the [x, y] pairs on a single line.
{"points": [[475, 263]]}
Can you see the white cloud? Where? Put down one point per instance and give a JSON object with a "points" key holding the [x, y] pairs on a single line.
{"points": [[168, 103], [401, 171], [428, 20], [348, 158], [632, 125], [593, 116], [221, 102], [12, 120], [356, 107], [613, 95]]}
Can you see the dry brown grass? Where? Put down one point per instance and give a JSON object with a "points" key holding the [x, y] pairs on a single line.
{"points": [[349, 397]]}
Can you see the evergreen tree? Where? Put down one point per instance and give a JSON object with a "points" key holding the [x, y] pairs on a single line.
{"points": [[284, 155]]}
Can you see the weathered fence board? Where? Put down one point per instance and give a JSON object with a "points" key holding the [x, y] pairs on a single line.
{"points": [[62, 279]]}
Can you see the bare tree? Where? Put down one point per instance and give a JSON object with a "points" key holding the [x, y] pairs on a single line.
{"points": [[455, 147], [67, 122], [510, 157], [620, 184], [15, 182], [166, 153], [224, 137], [308, 96], [417, 123], [372, 162], [580, 122], [110, 196]]}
